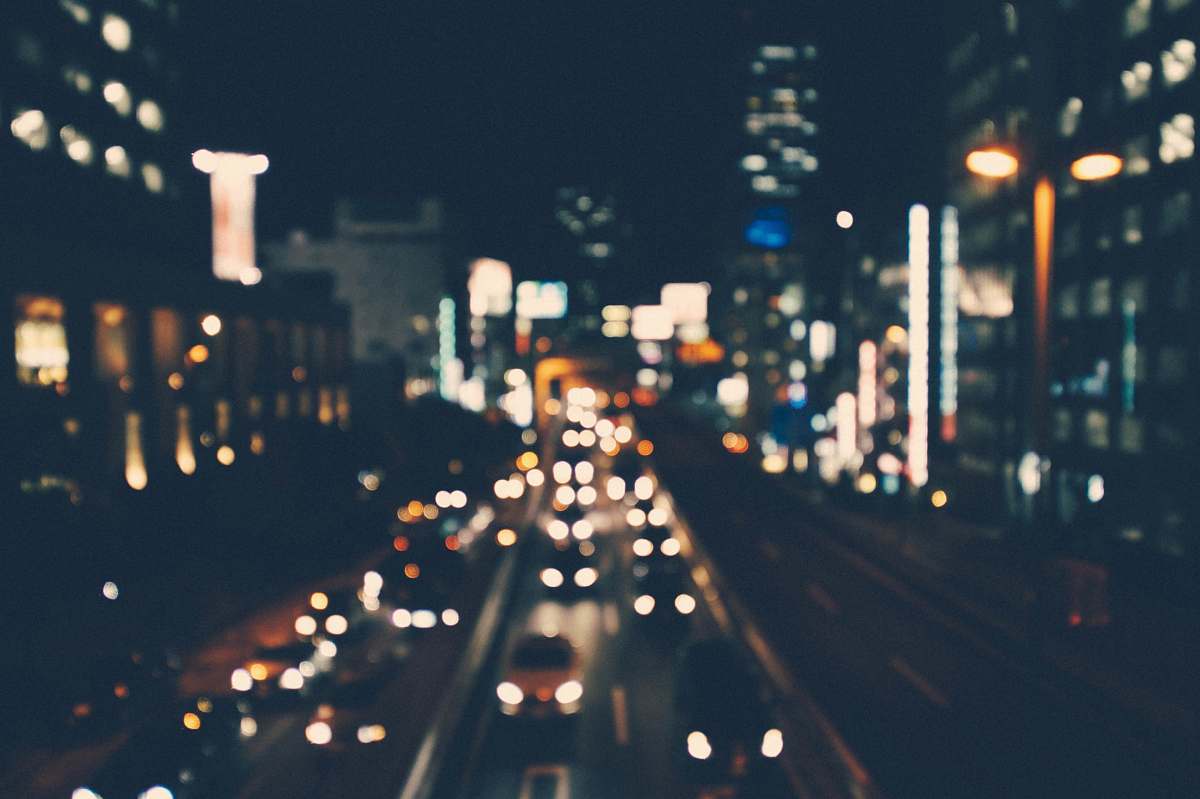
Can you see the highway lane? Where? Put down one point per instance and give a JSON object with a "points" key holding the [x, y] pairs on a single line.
{"points": [[934, 708]]}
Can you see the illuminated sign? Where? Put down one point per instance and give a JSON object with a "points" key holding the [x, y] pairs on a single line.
{"points": [[707, 351], [231, 178], [948, 400], [490, 287], [541, 300], [688, 302], [918, 345], [770, 229], [653, 323]]}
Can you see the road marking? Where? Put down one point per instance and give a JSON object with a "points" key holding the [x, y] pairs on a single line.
{"points": [[916, 680], [769, 549], [817, 593], [620, 715], [562, 785], [612, 619]]}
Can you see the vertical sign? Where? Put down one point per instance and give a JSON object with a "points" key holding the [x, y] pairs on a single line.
{"points": [[918, 345]]}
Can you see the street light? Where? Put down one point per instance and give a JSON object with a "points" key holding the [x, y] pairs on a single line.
{"points": [[1001, 162]]}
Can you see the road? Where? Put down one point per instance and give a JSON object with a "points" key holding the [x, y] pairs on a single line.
{"points": [[932, 706]]}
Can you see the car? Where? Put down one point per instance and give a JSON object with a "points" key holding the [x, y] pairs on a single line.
{"points": [[655, 543], [725, 734], [542, 679], [335, 728], [569, 570], [662, 592], [280, 675]]}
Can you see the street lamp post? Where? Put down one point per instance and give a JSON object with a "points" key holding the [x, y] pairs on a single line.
{"points": [[999, 163]]}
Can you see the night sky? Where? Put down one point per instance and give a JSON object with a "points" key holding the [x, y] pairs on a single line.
{"points": [[494, 106]]}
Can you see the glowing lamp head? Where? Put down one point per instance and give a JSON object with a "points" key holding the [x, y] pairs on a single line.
{"points": [[992, 162], [1096, 166]]}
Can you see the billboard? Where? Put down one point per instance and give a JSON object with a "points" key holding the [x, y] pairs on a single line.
{"points": [[231, 178], [537, 299], [490, 287]]}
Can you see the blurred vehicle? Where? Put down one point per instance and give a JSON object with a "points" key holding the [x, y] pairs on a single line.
{"points": [[543, 678], [726, 736], [101, 695], [191, 752], [283, 674], [336, 729], [568, 570], [662, 592], [422, 604]]}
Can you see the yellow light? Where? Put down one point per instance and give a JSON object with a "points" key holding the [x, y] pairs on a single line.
{"points": [[938, 499], [412, 571], [191, 721], [416, 508], [225, 455], [992, 162], [135, 464], [506, 537], [319, 600], [645, 447], [896, 334], [1096, 166], [258, 671], [198, 354], [527, 461], [257, 443], [867, 483]]}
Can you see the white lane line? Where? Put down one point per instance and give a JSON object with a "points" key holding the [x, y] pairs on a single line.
{"points": [[916, 680], [620, 715], [562, 785], [817, 593], [612, 619]]}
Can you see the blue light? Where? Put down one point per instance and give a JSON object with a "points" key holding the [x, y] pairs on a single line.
{"points": [[769, 229]]}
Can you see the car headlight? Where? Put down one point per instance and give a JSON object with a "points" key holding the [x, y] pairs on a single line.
{"points": [[643, 605], [552, 578], [424, 619], [85, 793], [318, 733], [568, 692], [291, 679], [669, 547], [450, 617], [586, 577], [685, 604], [157, 792], [772, 743], [643, 547], [698, 745], [509, 693]]}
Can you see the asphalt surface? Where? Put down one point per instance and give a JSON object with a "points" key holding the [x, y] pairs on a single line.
{"points": [[930, 704]]}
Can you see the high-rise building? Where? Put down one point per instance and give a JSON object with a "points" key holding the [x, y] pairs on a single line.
{"points": [[1076, 348]]}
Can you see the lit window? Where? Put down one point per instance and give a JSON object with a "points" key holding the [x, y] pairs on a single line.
{"points": [[116, 32], [116, 161], [1178, 138], [117, 95], [1176, 212], [754, 163], [1095, 429], [1179, 62], [1137, 17], [1068, 301], [78, 11], [1137, 156], [1010, 19], [41, 341], [77, 79], [1136, 81], [1100, 297], [152, 176], [764, 183], [150, 115], [1131, 230], [79, 147], [114, 339], [30, 127]]}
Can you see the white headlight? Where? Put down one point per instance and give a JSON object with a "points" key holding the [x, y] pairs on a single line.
{"points": [[401, 618], [643, 547], [657, 517], [372, 583], [635, 517], [371, 733], [669, 547], [157, 792], [306, 625], [698, 746], [552, 578], [586, 577], [85, 793], [240, 680], [291, 679], [318, 733], [558, 529], [586, 495], [509, 693], [643, 605], [569, 692], [584, 472], [248, 727], [450, 617], [685, 604], [582, 529], [424, 619], [336, 624], [327, 648], [772, 743]]}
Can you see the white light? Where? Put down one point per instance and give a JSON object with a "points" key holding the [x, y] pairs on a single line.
{"points": [[424, 619], [846, 432], [866, 383], [150, 115], [754, 162], [845, 220], [318, 733], [336, 624], [588, 419], [516, 487], [118, 35], [948, 347], [450, 617], [110, 590], [698, 746], [643, 547], [552, 578], [918, 345], [685, 604], [669, 547], [306, 625], [772, 743], [1029, 473], [658, 517], [402, 618], [535, 477], [85, 793], [587, 438], [623, 434], [568, 692], [372, 583], [327, 649], [562, 472], [643, 487], [585, 496], [635, 517], [558, 529], [687, 302], [490, 287], [564, 495], [1095, 488], [442, 499], [570, 438], [458, 499], [291, 679], [652, 323], [371, 733], [822, 340], [307, 668], [643, 605], [248, 727], [157, 792], [615, 488], [582, 529], [733, 391], [584, 471], [240, 680], [586, 577], [117, 95], [509, 693]]}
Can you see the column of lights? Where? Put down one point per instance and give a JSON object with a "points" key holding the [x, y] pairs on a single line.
{"points": [[918, 345], [866, 383], [948, 395]]}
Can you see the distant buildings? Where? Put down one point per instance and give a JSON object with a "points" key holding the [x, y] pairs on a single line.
{"points": [[1077, 415]]}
